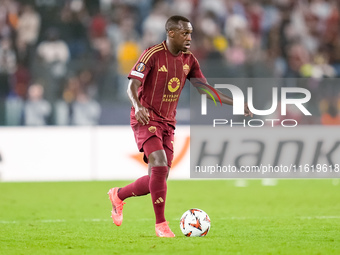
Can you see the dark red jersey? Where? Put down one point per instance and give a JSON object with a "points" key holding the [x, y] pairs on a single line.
{"points": [[163, 76]]}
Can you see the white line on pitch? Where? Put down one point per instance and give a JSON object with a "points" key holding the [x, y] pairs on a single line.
{"points": [[175, 219], [319, 217], [50, 221]]}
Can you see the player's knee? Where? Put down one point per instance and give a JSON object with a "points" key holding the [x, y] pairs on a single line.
{"points": [[158, 158]]}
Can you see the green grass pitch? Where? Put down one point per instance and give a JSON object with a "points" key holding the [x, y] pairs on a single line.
{"points": [[293, 217]]}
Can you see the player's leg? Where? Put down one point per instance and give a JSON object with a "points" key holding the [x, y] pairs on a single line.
{"points": [[155, 182], [158, 186], [159, 166], [158, 189], [139, 187]]}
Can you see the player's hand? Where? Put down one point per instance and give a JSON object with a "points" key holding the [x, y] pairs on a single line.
{"points": [[142, 115], [247, 112]]}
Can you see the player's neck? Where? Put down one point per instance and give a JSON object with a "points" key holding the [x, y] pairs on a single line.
{"points": [[172, 49]]}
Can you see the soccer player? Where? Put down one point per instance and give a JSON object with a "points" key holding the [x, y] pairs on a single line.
{"points": [[155, 84]]}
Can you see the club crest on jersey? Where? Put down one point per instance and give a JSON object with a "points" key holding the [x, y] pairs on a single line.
{"points": [[140, 67], [152, 129], [186, 69], [174, 84]]}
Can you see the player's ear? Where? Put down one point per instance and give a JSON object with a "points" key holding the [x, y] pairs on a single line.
{"points": [[171, 33]]}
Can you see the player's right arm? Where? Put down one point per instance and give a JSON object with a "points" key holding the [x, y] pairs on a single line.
{"points": [[137, 77], [141, 113]]}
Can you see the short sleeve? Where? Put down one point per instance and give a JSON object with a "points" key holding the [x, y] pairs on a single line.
{"points": [[141, 68], [195, 71]]}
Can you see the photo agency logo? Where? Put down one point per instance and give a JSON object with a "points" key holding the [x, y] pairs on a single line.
{"points": [[239, 105]]}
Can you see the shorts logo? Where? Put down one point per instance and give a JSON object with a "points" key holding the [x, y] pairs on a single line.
{"points": [[152, 129], [186, 69], [174, 84], [140, 67]]}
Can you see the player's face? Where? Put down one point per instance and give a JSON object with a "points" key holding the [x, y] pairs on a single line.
{"points": [[182, 36]]}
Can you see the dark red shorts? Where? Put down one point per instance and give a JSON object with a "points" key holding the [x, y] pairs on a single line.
{"points": [[155, 136]]}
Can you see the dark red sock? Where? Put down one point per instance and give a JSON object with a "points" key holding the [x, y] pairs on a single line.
{"points": [[140, 187], [158, 190]]}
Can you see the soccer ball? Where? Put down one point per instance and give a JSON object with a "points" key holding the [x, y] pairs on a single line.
{"points": [[195, 222]]}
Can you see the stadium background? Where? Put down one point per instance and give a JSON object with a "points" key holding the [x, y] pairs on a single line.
{"points": [[80, 51], [63, 68]]}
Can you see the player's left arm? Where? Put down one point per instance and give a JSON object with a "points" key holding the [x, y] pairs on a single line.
{"points": [[224, 98], [197, 79]]}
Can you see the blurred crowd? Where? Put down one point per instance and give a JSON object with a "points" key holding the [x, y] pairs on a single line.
{"points": [[62, 61]]}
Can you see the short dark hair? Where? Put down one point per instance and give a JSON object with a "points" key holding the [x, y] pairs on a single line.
{"points": [[172, 22]]}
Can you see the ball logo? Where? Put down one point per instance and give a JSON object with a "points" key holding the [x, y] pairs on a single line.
{"points": [[174, 84], [140, 67]]}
